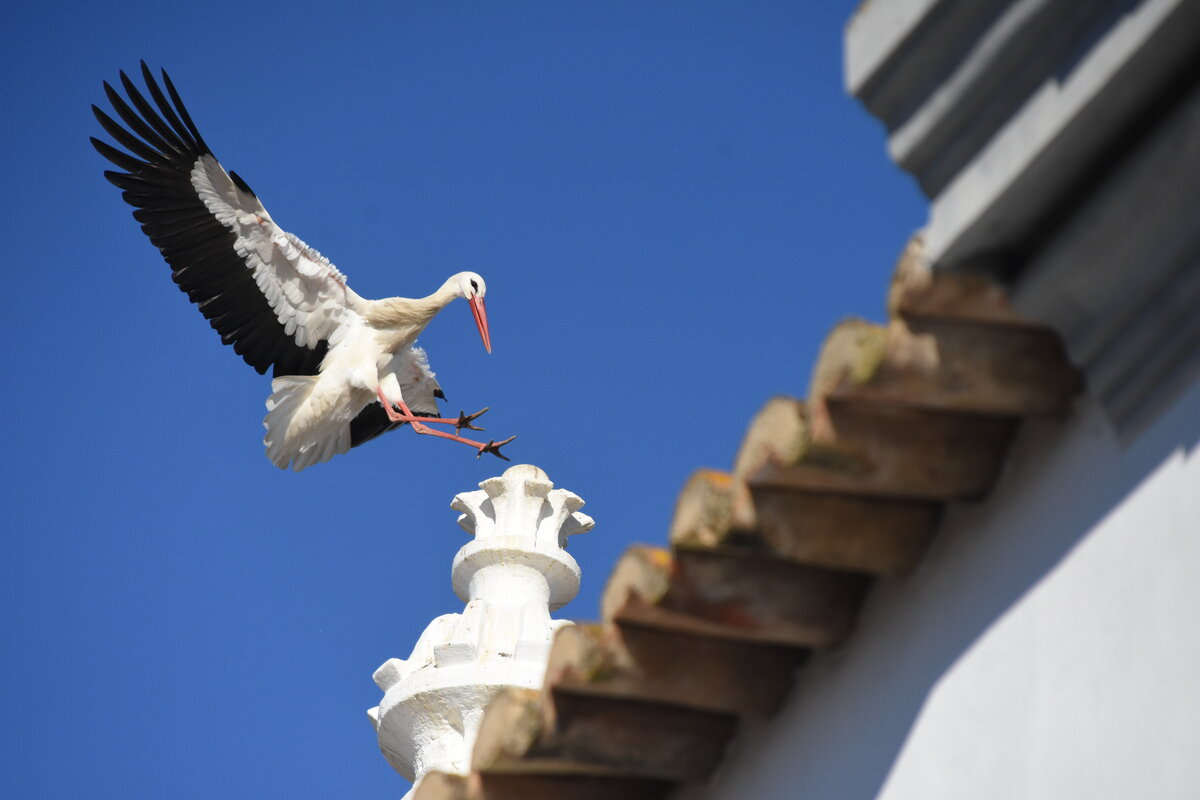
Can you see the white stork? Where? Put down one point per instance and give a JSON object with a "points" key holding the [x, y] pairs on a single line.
{"points": [[340, 362]]}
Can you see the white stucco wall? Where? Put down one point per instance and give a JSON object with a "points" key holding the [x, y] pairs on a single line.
{"points": [[1048, 647]]}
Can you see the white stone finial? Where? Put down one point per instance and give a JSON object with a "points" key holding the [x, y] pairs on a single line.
{"points": [[522, 502], [511, 575]]}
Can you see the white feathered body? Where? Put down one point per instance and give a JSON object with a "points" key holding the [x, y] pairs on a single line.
{"points": [[308, 417]]}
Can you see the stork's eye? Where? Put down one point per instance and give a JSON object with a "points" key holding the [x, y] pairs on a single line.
{"points": [[475, 286]]}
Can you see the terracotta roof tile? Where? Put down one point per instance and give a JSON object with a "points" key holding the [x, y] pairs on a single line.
{"points": [[771, 562]]}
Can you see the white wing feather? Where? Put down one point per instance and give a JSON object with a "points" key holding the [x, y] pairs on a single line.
{"points": [[307, 292], [418, 383]]}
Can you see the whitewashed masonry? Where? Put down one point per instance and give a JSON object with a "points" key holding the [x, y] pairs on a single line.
{"points": [[511, 575]]}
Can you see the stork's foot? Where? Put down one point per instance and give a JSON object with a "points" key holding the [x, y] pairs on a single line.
{"points": [[465, 420], [493, 447], [406, 415]]}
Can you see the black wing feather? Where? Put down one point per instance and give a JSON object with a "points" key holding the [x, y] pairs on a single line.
{"points": [[197, 139], [161, 147], [181, 131], [148, 113], [137, 125], [241, 184], [372, 421], [126, 139]]}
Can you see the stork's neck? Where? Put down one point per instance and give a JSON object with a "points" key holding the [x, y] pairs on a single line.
{"points": [[410, 315]]}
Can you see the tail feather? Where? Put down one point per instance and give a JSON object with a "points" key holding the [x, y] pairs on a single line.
{"points": [[297, 433]]}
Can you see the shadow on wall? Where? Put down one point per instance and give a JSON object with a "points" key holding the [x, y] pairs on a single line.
{"points": [[854, 709]]}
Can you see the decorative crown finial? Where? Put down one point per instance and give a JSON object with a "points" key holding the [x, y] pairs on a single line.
{"points": [[512, 574], [522, 502]]}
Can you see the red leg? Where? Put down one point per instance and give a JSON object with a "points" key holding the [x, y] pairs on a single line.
{"points": [[463, 421], [416, 422], [492, 447]]}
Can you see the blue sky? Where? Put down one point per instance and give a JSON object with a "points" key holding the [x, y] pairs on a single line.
{"points": [[672, 203]]}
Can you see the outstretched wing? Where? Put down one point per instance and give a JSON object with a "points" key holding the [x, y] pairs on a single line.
{"points": [[280, 303], [418, 385]]}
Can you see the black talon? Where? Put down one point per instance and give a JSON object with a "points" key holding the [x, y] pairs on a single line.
{"points": [[493, 447], [465, 420]]}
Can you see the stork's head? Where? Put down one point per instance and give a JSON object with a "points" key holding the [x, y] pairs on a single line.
{"points": [[471, 286]]}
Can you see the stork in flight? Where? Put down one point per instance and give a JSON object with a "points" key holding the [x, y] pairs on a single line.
{"points": [[342, 364]]}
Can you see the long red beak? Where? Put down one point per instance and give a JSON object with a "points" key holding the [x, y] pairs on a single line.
{"points": [[477, 308]]}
